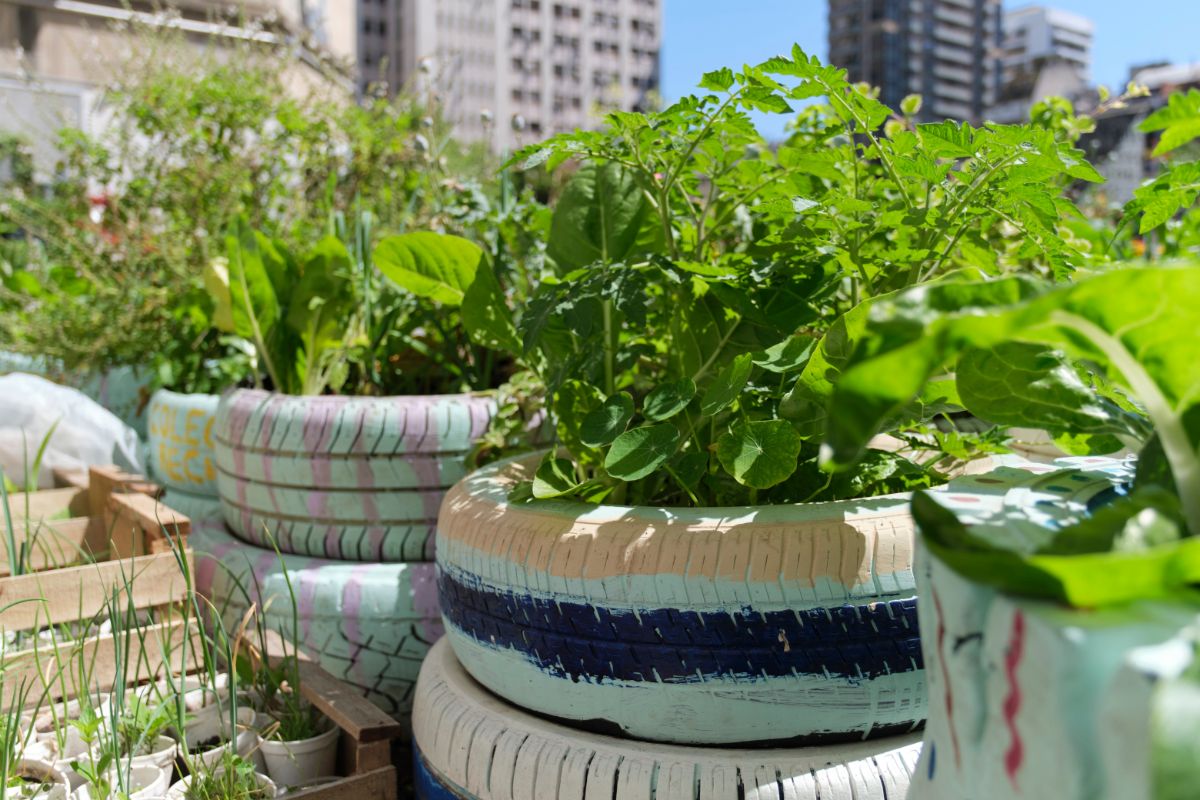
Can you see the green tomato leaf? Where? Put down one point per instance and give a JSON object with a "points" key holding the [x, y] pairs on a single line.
{"points": [[601, 426], [637, 453], [728, 385], [434, 265], [718, 80], [668, 399], [760, 454], [555, 477]]}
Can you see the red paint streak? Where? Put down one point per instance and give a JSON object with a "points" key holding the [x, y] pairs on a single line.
{"points": [[941, 651], [1012, 702]]}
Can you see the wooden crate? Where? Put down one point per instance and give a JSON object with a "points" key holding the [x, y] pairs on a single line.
{"points": [[98, 538], [365, 746]]}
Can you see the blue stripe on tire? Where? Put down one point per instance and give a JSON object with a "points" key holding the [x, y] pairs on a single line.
{"points": [[426, 785], [589, 642]]}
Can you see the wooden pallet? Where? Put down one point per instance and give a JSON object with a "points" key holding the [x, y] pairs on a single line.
{"points": [[100, 538]]}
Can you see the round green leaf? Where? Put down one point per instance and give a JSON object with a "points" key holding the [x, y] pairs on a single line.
{"points": [[760, 454], [555, 477], [601, 426], [639, 452], [728, 385], [669, 399]]}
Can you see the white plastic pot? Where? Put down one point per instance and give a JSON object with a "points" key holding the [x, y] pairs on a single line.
{"points": [[161, 754], [178, 790], [216, 726], [301, 762], [142, 782], [57, 787]]}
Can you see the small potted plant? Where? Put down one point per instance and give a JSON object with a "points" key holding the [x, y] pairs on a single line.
{"points": [[1062, 596], [231, 777]]}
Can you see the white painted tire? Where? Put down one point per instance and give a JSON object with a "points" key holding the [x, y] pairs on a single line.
{"points": [[181, 441], [354, 478], [788, 624], [470, 745], [368, 624]]}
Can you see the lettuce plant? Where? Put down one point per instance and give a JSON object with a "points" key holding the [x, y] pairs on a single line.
{"points": [[1111, 359], [706, 286]]}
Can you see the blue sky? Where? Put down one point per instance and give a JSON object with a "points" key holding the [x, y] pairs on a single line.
{"points": [[702, 35]]}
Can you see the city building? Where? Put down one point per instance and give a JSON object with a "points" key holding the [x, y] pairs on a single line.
{"points": [[56, 58], [1036, 35], [510, 72], [1119, 150], [945, 50]]}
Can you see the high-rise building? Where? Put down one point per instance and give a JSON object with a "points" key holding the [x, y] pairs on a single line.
{"points": [[945, 50], [1035, 35], [1047, 52], [514, 71]]}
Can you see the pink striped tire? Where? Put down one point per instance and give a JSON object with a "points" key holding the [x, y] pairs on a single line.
{"points": [[354, 478], [368, 624], [181, 441], [471, 745], [727, 626], [1035, 700]]}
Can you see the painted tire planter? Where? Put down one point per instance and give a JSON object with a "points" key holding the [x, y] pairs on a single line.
{"points": [[181, 441], [196, 507], [1031, 699], [356, 478], [470, 744], [703, 626], [368, 624]]}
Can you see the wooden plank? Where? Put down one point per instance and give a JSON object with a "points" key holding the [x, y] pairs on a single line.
{"points": [[351, 712], [38, 675], [379, 784], [139, 524], [64, 476], [358, 757], [63, 503], [53, 544], [74, 593]]}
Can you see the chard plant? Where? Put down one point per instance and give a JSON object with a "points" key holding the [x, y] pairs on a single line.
{"points": [[1108, 360], [707, 287]]}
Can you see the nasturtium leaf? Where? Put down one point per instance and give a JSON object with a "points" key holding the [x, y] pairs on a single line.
{"points": [[486, 315], [573, 401], [689, 467], [600, 426], [668, 399], [434, 265], [555, 477], [638, 452], [761, 453], [728, 385]]}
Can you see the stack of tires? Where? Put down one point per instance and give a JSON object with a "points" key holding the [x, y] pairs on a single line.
{"points": [[603, 651], [332, 502]]}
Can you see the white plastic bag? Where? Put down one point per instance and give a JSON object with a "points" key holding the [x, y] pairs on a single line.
{"points": [[87, 434]]}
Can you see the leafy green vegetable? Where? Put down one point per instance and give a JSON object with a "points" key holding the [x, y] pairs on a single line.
{"points": [[1020, 353], [638, 452]]}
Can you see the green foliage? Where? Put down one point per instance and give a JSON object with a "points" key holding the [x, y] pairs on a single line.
{"points": [[706, 287], [111, 259], [1075, 355]]}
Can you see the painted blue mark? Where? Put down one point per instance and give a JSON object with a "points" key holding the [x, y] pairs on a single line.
{"points": [[592, 643], [426, 785], [931, 747]]}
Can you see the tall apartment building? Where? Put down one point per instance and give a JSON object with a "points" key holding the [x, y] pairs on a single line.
{"points": [[945, 50], [509, 72], [1036, 35], [56, 57]]}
